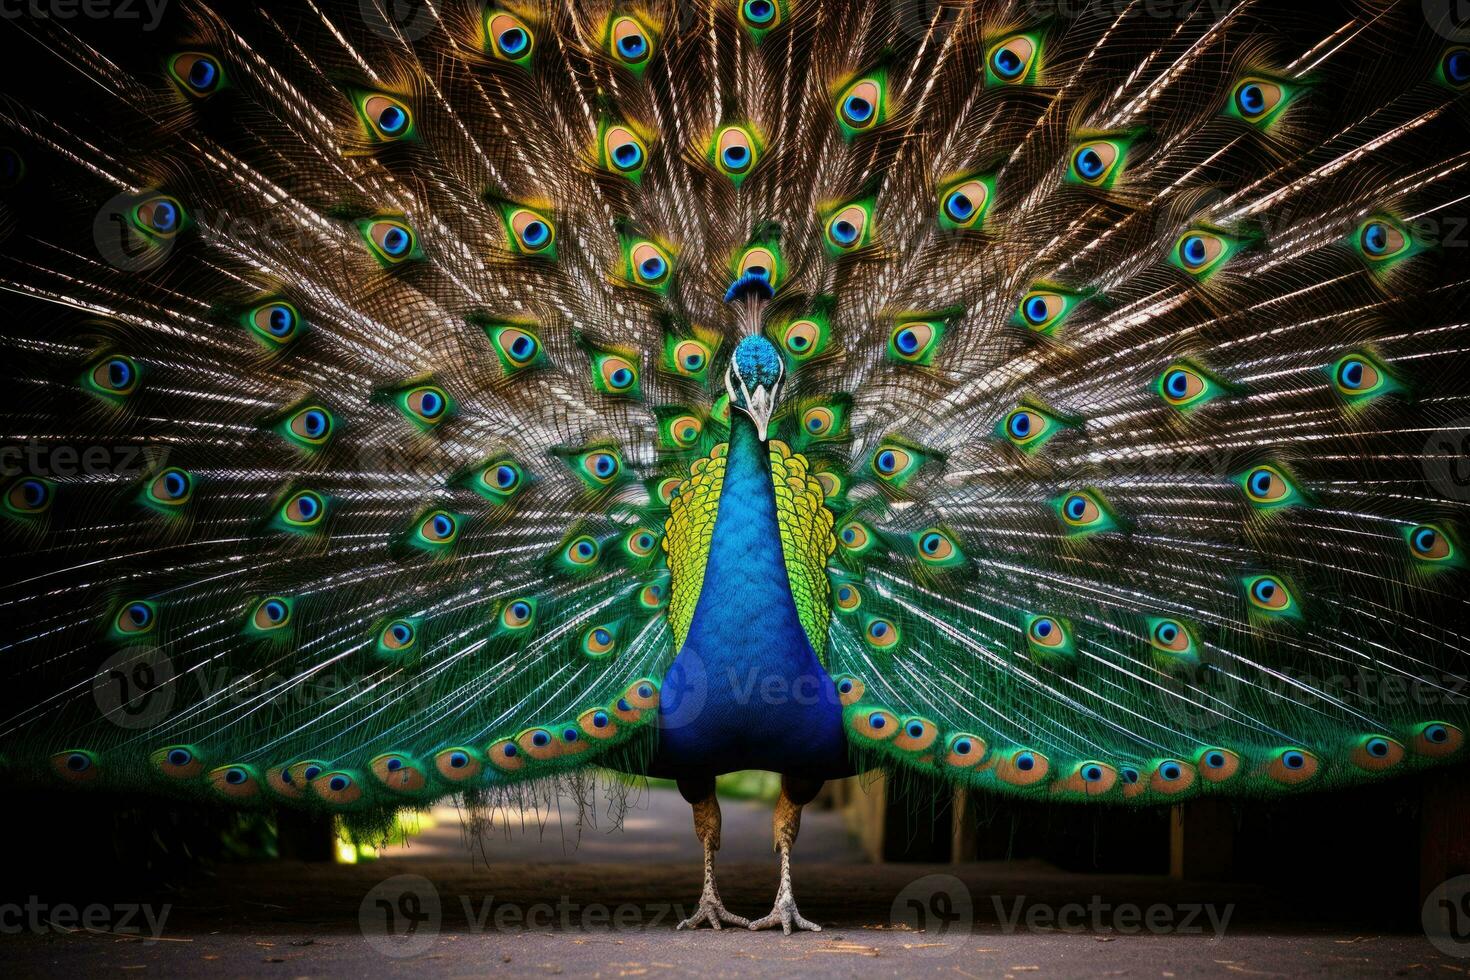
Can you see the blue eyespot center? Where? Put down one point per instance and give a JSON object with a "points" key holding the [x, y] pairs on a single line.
{"points": [[887, 462], [1170, 771], [174, 484], [1250, 99], [1260, 482], [513, 41], [759, 11], [1377, 747], [1035, 309], [395, 241], [1089, 163], [844, 232], [1424, 540], [119, 373], [1021, 425], [1375, 238], [1437, 734], [1193, 250], [458, 760], [402, 632], [540, 739], [1167, 632], [644, 691], [1177, 383], [1025, 762], [164, 216], [311, 772], [1076, 506], [315, 422], [236, 777], [907, 341], [1006, 63], [338, 783], [736, 156], [599, 719], [1092, 773], [845, 687], [1351, 373], [535, 233], [179, 757], [1457, 66], [1043, 628], [857, 109], [570, 735], [1265, 590], [394, 764], [959, 206], [1215, 760], [392, 119], [139, 614], [202, 74], [632, 45], [963, 746], [621, 378], [652, 267], [876, 720], [1293, 760], [1128, 775], [627, 155], [307, 506], [281, 320], [511, 750], [443, 525], [915, 730]]}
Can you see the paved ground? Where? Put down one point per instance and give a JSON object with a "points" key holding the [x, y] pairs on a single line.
{"points": [[544, 910]]}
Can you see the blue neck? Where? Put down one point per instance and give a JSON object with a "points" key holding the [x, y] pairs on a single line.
{"points": [[746, 690]]}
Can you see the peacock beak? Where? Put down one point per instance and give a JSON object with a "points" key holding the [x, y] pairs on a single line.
{"points": [[759, 402]]}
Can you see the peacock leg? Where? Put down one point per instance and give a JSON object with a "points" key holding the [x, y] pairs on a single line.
{"points": [[701, 795], [795, 794]]}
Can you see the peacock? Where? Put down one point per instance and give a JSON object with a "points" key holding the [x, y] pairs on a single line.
{"points": [[416, 400]]}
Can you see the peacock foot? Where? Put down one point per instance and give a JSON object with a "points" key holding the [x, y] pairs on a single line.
{"points": [[785, 915], [713, 911]]}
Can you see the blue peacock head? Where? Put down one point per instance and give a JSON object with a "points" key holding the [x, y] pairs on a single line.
{"points": [[754, 379]]}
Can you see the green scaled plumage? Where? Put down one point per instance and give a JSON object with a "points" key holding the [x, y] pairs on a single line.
{"points": [[357, 426]]}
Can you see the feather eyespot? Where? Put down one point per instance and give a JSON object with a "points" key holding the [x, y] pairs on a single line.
{"points": [[1171, 777], [398, 772], [881, 634], [270, 614], [458, 764], [650, 264], [599, 641], [847, 597], [1258, 100], [1098, 162], [518, 615], [1014, 60], [1360, 377], [937, 548], [804, 339], [387, 119], [1269, 595], [438, 529], [848, 227], [275, 323], [623, 151], [735, 151], [1216, 765], [1023, 767], [614, 374], [532, 233], [499, 480], [1437, 739], [862, 105], [915, 341], [599, 468], [1085, 512], [760, 15], [310, 427], [337, 788], [398, 636], [1377, 753], [876, 725], [682, 431], [29, 497], [303, 510], [425, 405], [849, 689], [236, 782], [510, 39], [1201, 252], [75, 766], [389, 240], [1453, 70], [178, 762], [196, 73], [582, 551], [1383, 239], [598, 723], [113, 377], [689, 358], [135, 618], [965, 751], [1428, 543], [171, 489], [964, 202], [1050, 641], [518, 347], [629, 42], [158, 217], [1291, 767], [1268, 487]]}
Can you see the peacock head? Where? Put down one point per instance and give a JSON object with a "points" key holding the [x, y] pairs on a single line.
{"points": [[753, 379]]}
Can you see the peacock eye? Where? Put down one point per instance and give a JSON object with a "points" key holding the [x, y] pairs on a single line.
{"points": [[277, 323], [640, 542], [818, 421], [615, 375], [881, 634], [629, 42], [135, 618], [735, 152], [915, 341], [158, 217], [1046, 631], [862, 105], [689, 357], [1429, 543], [499, 480], [439, 528], [623, 151], [848, 598], [1197, 252], [1292, 766], [388, 119], [847, 228], [531, 231], [178, 762], [272, 613], [1270, 595], [682, 431], [964, 205], [389, 240], [582, 551], [1013, 60], [28, 496], [855, 538], [1029, 428], [1454, 68], [1174, 640], [517, 347], [1098, 163], [599, 641], [1258, 100], [1382, 239], [510, 39], [1043, 309], [196, 73], [238, 782], [171, 488], [1186, 386], [1360, 377], [1267, 487], [311, 427], [398, 635], [937, 548], [599, 468], [518, 614], [113, 377], [1085, 512], [761, 15], [425, 405], [804, 339], [650, 264], [304, 509], [895, 463]]}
